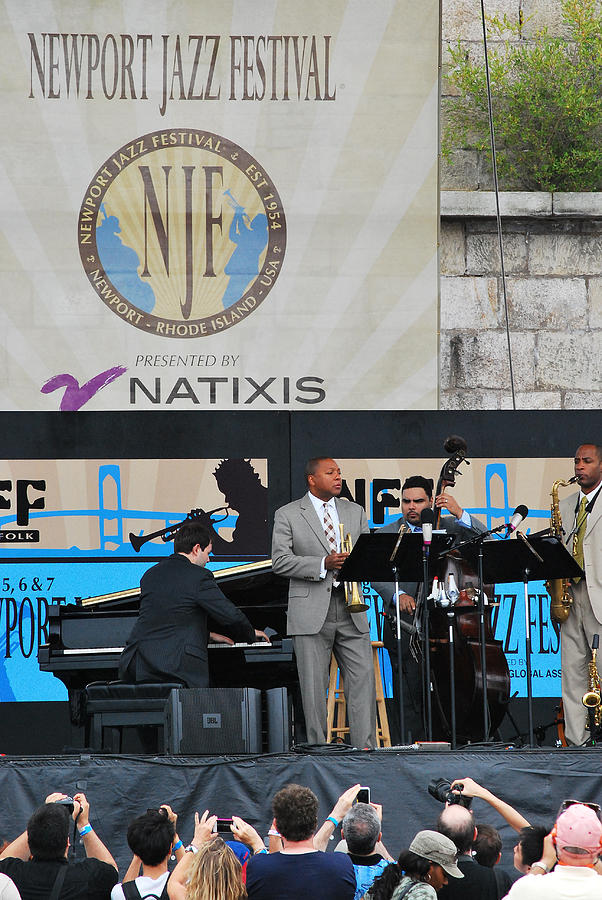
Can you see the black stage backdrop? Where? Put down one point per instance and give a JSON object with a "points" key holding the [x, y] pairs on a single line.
{"points": [[286, 440], [533, 781]]}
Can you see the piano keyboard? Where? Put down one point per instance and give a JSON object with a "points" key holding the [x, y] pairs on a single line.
{"points": [[97, 650]]}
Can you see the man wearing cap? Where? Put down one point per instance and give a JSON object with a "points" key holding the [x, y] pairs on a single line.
{"points": [[576, 841], [457, 823]]}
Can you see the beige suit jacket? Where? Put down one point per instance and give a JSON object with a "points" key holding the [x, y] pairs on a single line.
{"points": [[592, 547], [298, 547]]}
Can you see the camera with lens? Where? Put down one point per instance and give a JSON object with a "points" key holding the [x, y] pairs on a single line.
{"points": [[69, 802], [441, 790]]}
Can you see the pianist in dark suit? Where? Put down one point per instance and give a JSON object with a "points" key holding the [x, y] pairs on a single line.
{"points": [[169, 640]]}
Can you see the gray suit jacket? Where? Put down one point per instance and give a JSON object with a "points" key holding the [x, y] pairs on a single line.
{"points": [[386, 589], [298, 547], [592, 547]]}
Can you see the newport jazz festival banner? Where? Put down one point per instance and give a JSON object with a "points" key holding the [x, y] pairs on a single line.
{"points": [[219, 205]]}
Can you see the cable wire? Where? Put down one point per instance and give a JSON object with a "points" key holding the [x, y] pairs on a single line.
{"points": [[497, 203]]}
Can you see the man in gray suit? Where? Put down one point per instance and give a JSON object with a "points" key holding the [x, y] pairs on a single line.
{"points": [[306, 548], [417, 495], [581, 515]]}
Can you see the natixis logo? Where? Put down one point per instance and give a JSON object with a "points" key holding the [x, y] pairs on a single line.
{"points": [[182, 233]]}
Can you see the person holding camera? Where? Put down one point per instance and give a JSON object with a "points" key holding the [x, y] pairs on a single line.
{"points": [[529, 846], [299, 870], [575, 842], [456, 822], [151, 837], [208, 868], [48, 874]]}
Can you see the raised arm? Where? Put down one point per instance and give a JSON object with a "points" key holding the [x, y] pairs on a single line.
{"points": [[94, 847], [511, 815]]}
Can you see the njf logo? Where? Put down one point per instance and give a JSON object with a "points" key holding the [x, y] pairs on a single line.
{"points": [[20, 497]]}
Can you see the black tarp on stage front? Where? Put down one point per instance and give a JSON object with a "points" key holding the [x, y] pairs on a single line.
{"points": [[119, 788]]}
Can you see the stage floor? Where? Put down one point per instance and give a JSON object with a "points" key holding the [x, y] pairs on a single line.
{"points": [[121, 787]]}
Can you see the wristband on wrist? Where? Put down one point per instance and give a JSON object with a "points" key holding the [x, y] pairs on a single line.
{"points": [[274, 833], [85, 830], [177, 845], [191, 849], [541, 865], [257, 852], [333, 820]]}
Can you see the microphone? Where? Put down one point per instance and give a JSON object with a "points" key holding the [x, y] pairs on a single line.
{"points": [[427, 519], [521, 512]]}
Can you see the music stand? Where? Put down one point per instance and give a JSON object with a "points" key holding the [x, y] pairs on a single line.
{"points": [[537, 558], [371, 560]]}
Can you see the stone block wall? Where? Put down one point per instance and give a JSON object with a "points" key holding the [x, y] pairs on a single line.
{"points": [[552, 259], [461, 20], [553, 264]]}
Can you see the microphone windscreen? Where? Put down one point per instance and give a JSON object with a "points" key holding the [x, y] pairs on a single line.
{"points": [[521, 510], [427, 516]]}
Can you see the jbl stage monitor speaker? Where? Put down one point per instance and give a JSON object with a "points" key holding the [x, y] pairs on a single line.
{"points": [[213, 721], [279, 720]]}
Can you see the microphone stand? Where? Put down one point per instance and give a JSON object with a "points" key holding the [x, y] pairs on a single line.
{"points": [[427, 648], [402, 727], [527, 572], [478, 539]]}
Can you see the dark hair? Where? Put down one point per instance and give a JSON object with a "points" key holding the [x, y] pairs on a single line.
{"points": [[312, 464], [189, 535], [150, 836], [598, 447], [530, 841], [48, 831], [457, 827], [362, 827], [295, 809], [487, 845], [417, 481], [408, 863]]}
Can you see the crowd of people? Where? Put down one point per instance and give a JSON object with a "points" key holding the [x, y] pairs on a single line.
{"points": [[229, 859]]}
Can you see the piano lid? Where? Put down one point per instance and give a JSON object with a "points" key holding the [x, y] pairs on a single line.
{"points": [[224, 576]]}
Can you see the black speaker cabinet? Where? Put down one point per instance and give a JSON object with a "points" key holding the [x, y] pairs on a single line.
{"points": [[279, 720], [213, 721]]}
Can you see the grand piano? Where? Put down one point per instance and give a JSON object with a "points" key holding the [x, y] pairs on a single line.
{"points": [[85, 639]]}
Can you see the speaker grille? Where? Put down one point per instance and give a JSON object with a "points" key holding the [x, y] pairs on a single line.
{"points": [[214, 721]]}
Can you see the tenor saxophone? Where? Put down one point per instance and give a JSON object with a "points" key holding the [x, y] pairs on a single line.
{"points": [[561, 600]]}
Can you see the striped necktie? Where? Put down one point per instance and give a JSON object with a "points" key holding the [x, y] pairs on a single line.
{"points": [[329, 529]]}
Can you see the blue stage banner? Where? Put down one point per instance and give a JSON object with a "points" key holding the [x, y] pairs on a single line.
{"points": [[66, 529]]}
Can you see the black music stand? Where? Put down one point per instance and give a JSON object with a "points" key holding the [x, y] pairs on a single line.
{"points": [[372, 559], [537, 558]]}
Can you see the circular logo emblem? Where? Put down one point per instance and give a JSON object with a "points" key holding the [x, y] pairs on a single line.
{"points": [[182, 233]]}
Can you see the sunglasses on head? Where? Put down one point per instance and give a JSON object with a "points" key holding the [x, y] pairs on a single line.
{"points": [[567, 803]]}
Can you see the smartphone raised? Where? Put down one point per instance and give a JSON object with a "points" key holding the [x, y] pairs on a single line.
{"points": [[363, 795]]}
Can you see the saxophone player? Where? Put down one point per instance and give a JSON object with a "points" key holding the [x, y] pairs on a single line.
{"points": [[581, 514]]}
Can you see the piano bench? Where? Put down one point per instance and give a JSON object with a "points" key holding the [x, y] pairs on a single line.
{"points": [[113, 705]]}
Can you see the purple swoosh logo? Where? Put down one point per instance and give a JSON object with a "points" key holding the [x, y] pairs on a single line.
{"points": [[75, 396]]}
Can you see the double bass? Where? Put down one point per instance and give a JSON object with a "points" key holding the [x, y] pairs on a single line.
{"points": [[464, 617]]}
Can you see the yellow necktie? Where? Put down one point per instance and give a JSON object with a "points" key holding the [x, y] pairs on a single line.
{"points": [[580, 526]]}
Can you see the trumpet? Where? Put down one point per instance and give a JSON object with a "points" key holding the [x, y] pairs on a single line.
{"points": [[169, 533], [353, 598]]}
